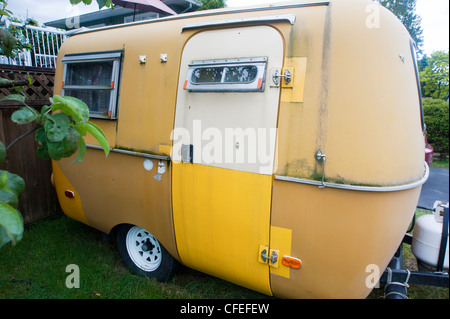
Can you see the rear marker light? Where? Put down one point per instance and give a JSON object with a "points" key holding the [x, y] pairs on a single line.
{"points": [[69, 194], [292, 262]]}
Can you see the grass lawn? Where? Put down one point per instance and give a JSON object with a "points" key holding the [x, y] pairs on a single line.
{"points": [[36, 269], [440, 163]]}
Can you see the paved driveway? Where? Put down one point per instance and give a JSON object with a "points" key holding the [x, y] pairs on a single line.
{"points": [[435, 188]]}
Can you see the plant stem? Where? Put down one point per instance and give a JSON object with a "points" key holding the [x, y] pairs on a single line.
{"points": [[22, 136]]}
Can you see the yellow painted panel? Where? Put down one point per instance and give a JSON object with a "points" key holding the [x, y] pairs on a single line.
{"points": [[110, 130], [294, 91], [221, 218], [280, 239], [72, 207], [165, 149]]}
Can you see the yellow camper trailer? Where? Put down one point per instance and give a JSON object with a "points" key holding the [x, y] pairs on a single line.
{"points": [[280, 148]]}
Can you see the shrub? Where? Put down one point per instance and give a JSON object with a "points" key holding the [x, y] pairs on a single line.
{"points": [[436, 116]]}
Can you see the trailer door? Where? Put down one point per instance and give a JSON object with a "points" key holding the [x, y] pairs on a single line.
{"points": [[224, 150]]}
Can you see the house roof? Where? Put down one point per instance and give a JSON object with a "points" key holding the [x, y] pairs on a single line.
{"points": [[105, 14]]}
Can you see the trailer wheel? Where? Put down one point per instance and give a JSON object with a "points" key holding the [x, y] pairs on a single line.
{"points": [[143, 254]]}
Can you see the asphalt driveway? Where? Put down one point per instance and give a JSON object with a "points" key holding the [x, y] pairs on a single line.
{"points": [[435, 188]]}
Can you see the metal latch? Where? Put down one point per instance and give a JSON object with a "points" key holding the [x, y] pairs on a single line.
{"points": [[273, 259], [268, 256], [321, 158], [187, 153], [287, 77]]}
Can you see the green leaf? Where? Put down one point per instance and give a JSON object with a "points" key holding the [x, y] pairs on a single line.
{"points": [[3, 180], [73, 107], [55, 150], [44, 109], [15, 183], [14, 97], [103, 3], [11, 224], [5, 82], [57, 128], [70, 142], [81, 129], [4, 13], [81, 151], [2, 152], [9, 198], [99, 136], [24, 115], [80, 105], [41, 138]]}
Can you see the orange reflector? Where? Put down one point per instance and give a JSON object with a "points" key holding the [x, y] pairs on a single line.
{"points": [[109, 114], [63, 84], [259, 83], [291, 262], [112, 84], [185, 84]]}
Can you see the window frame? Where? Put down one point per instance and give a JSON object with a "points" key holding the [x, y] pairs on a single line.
{"points": [[413, 47], [116, 58], [256, 85]]}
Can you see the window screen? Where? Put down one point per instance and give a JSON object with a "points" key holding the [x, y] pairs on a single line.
{"points": [[93, 78]]}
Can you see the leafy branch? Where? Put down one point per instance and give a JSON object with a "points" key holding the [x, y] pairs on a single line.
{"points": [[60, 130]]}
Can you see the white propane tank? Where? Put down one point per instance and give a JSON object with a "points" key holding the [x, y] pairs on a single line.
{"points": [[427, 236]]}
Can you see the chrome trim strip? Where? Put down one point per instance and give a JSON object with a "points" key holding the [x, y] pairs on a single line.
{"points": [[118, 150], [278, 18], [226, 62], [358, 188]]}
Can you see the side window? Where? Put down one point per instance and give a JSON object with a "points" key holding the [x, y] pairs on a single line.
{"points": [[94, 79], [419, 89], [227, 75]]}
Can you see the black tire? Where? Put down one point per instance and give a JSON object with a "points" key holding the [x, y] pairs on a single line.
{"points": [[143, 254]]}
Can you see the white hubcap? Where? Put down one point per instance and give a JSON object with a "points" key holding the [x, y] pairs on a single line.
{"points": [[143, 248]]}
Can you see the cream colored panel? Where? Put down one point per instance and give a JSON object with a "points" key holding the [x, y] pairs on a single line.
{"points": [[233, 130]]}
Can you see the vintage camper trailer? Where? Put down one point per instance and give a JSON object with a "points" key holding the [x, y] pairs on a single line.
{"points": [[280, 148]]}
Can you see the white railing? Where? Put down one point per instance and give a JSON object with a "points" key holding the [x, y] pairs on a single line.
{"points": [[45, 44]]}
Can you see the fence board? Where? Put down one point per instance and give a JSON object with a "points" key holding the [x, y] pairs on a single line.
{"points": [[39, 199]]}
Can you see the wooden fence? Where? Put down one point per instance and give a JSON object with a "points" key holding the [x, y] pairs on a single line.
{"points": [[39, 199]]}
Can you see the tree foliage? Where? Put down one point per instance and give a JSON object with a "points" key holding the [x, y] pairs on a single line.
{"points": [[434, 76], [436, 116], [11, 41], [405, 10], [60, 130], [212, 4], [101, 3]]}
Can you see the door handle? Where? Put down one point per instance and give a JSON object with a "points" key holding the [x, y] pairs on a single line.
{"points": [[321, 158]]}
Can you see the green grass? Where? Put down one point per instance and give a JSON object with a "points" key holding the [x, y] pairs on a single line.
{"points": [[36, 269], [440, 163], [409, 262]]}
